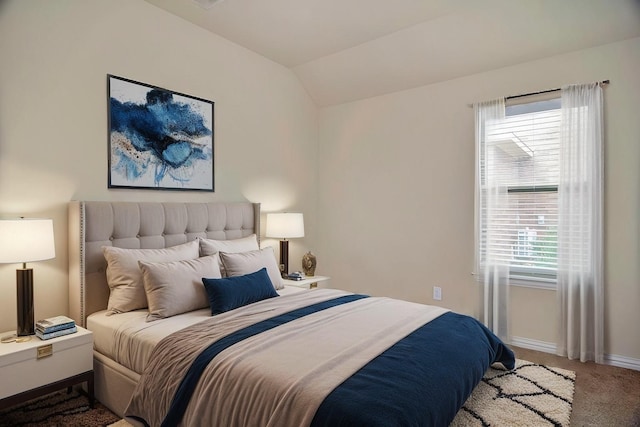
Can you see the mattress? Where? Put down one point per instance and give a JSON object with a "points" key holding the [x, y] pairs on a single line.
{"points": [[128, 339]]}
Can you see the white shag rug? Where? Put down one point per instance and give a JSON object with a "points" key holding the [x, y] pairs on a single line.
{"points": [[529, 395], [121, 423]]}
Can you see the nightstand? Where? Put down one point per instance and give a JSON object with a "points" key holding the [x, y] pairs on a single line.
{"points": [[37, 367], [309, 282]]}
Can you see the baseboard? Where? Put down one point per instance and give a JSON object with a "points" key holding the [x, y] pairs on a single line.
{"points": [[545, 347], [622, 361], [549, 347]]}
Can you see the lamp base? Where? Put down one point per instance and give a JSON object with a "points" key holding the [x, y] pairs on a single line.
{"points": [[284, 258], [24, 281]]}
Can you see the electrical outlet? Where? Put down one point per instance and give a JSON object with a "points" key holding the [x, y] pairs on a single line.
{"points": [[437, 293]]}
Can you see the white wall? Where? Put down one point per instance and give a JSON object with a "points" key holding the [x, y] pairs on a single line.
{"points": [[55, 56], [396, 191]]}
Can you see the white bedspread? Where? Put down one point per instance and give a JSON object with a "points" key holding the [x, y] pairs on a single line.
{"points": [[129, 339]]}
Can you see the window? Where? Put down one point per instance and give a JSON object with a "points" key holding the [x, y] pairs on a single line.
{"points": [[518, 194], [539, 209]]}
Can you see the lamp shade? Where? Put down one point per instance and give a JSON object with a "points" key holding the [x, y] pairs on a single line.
{"points": [[26, 240], [285, 225]]}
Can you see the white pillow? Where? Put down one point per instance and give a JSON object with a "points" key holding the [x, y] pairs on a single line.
{"points": [[244, 244], [176, 287], [239, 264], [125, 278]]}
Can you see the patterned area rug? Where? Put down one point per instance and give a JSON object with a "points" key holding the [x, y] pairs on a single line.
{"points": [[530, 395], [57, 409]]}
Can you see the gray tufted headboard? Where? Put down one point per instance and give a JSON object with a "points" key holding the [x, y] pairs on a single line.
{"points": [[93, 225]]}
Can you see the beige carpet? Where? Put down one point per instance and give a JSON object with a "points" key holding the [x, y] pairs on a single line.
{"points": [[604, 395], [530, 395]]}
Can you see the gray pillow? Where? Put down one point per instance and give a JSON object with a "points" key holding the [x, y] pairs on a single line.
{"points": [[244, 244], [176, 287], [239, 264], [125, 278]]}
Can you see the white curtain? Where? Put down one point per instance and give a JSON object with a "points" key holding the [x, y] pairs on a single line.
{"points": [[580, 230], [491, 267]]}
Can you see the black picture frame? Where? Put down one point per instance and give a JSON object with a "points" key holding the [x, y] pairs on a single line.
{"points": [[158, 139]]}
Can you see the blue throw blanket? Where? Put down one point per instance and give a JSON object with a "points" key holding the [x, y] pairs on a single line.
{"points": [[423, 380]]}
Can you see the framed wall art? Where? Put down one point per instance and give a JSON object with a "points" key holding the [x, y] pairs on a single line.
{"points": [[158, 139]]}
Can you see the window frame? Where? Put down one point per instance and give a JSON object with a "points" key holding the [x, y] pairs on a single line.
{"points": [[533, 277]]}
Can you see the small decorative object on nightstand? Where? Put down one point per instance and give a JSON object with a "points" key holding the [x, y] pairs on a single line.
{"points": [[54, 327], [309, 264]]}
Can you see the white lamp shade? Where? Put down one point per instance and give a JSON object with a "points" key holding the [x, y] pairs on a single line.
{"points": [[26, 240], [285, 225]]}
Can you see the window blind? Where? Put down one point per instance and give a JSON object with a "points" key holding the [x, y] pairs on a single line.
{"points": [[519, 163]]}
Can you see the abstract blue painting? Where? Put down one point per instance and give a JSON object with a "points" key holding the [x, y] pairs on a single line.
{"points": [[158, 139]]}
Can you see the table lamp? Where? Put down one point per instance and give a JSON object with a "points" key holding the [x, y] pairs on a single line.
{"points": [[285, 225], [25, 240]]}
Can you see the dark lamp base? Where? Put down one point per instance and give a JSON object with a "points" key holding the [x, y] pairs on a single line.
{"points": [[24, 281], [284, 258]]}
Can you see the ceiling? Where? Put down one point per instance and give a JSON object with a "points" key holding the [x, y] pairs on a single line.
{"points": [[345, 50]]}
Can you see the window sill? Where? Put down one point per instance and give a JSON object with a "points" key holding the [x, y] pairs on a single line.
{"points": [[549, 285]]}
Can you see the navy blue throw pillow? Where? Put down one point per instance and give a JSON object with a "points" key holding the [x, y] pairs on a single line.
{"points": [[232, 292]]}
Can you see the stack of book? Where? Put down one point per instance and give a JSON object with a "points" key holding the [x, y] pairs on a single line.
{"points": [[55, 327]]}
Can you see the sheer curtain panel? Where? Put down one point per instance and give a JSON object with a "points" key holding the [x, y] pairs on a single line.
{"points": [[580, 230], [492, 269]]}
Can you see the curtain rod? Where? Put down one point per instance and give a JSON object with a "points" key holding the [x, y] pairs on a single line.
{"points": [[602, 82]]}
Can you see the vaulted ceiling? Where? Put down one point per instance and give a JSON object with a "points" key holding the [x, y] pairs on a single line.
{"points": [[344, 50]]}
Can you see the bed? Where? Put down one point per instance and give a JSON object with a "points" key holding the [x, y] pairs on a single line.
{"points": [[257, 353]]}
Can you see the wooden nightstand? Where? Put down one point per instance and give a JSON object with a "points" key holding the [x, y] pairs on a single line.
{"points": [[308, 282], [69, 361]]}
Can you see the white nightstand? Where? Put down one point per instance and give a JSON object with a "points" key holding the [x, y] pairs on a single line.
{"points": [[308, 282], [37, 367]]}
